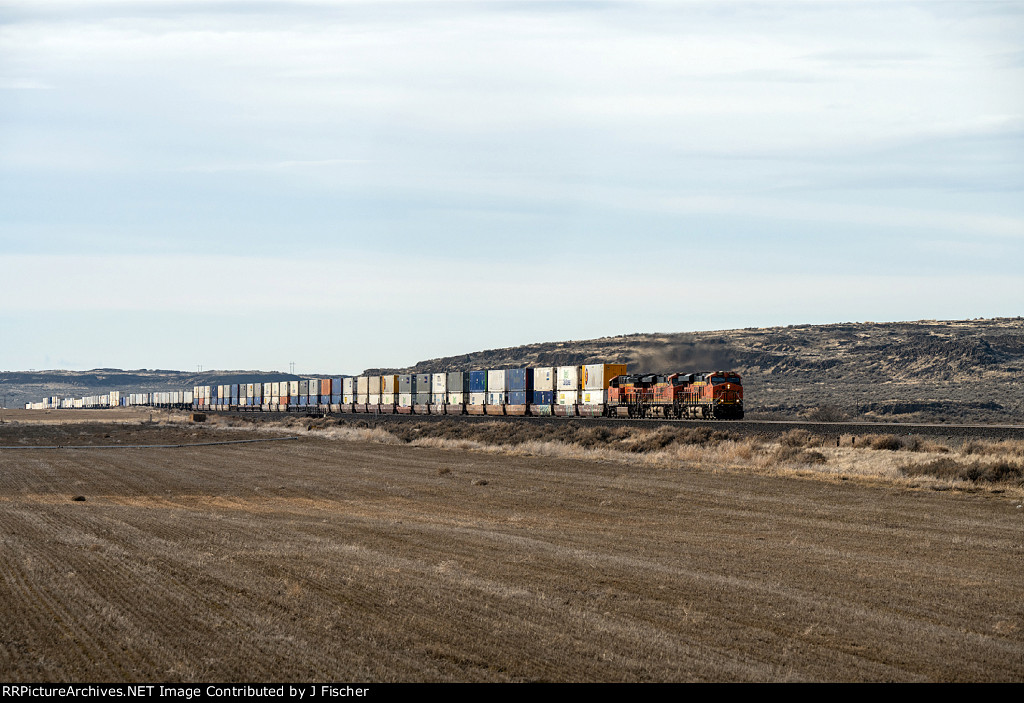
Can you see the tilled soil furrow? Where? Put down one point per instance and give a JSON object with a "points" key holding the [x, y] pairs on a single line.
{"points": [[320, 559], [91, 657]]}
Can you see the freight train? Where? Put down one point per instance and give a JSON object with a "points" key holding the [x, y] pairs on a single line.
{"points": [[591, 390]]}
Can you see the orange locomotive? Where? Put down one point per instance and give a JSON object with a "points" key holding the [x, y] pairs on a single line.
{"points": [[713, 394]]}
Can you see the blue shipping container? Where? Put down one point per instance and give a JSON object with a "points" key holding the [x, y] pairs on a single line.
{"points": [[542, 397], [517, 398], [336, 387], [477, 381], [519, 380], [335, 399]]}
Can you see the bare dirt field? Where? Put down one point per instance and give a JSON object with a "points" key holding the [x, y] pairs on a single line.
{"points": [[336, 559]]}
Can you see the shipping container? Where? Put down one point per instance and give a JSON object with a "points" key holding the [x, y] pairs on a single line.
{"points": [[596, 377], [497, 381], [405, 400], [517, 397], [438, 398], [568, 378], [477, 382], [520, 379], [374, 399], [348, 387], [421, 383], [458, 382], [293, 388], [494, 398], [593, 397], [421, 398], [456, 398], [388, 398], [325, 386], [439, 384], [362, 387], [405, 383], [478, 399], [336, 386], [542, 397], [374, 385], [568, 397], [389, 383]]}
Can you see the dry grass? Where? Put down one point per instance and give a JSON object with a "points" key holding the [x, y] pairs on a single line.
{"points": [[797, 452], [900, 459]]}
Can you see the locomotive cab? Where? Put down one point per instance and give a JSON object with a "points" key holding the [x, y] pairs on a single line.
{"points": [[726, 394]]}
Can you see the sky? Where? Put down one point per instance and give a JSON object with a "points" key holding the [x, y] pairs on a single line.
{"points": [[242, 185]]}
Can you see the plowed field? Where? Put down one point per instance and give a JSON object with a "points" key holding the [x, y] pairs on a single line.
{"points": [[320, 559]]}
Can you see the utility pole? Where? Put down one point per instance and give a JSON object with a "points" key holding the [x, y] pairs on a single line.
{"points": [[291, 367]]}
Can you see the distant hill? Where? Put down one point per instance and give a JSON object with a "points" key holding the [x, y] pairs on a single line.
{"points": [[20, 387], [964, 370]]}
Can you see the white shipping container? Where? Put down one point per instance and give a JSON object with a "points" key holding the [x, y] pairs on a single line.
{"points": [[568, 397], [593, 397], [405, 400], [478, 399], [387, 398], [362, 398], [438, 398], [439, 384], [293, 387], [597, 376], [348, 387], [495, 398], [496, 381], [544, 378], [457, 398], [348, 398], [374, 398], [363, 385], [568, 378]]}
